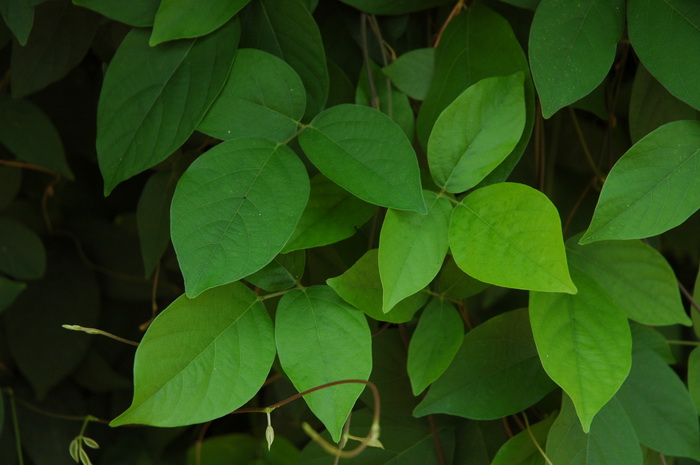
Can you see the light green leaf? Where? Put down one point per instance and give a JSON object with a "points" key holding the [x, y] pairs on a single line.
{"points": [[135, 13], [476, 132], [505, 374], [572, 46], [20, 122], [9, 290], [584, 343], [174, 86], [263, 97], [19, 17], [412, 248], [509, 234], [521, 450], [365, 152], [234, 209], [393, 7], [637, 277], [332, 214], [281, 273], [434, 344], [321, 339], [187, 19], [694, 377], [654, 187], [656, 28], [285, 28], [22, 254], [412, 72], [213, 353], [153, 217], [361, 287]]}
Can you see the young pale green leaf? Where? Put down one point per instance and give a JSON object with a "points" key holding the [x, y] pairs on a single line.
{"points": [[584, 343], [9, 291], [263, 97], [505, 374], [281, 273], [139, 14], [153, 217], [611, 440], [637, 277], [572, 46], [412, 248], [509, 234], [656, 28], [393, 7], [365, 152], [321, 339], [694, 377], [361, 287], [476, 132], [22, 254], [174, 85], [19, 17], [521, 448], [412, 72], [434, 344], [187, 19], [212, 355], [654, 187], [234, 209], [285, 28]]}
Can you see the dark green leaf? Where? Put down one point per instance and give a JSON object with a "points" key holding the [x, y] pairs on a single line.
{"points": [[412, 72], [134, 13], [242, 449], [521, 448], [19, 17], [455, 283], [9, 290], [187, 19], [393, 7], [153, 217], [694, 377], [281, 273], [10, 182], [22, 254]]}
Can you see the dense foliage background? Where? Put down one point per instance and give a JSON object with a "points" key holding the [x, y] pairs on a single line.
{"points": [[487, 209]]}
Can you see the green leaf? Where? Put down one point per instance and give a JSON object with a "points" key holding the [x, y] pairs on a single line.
{"points": [[455, 283], [10, 182], [654, 187], [61, 37], [572, 46], [153, 217], [412, 72], [285, 28], [187, 19], [9, 290], [263, 97], [139, 13], [584, 343], [242, 449], [412, 248], [611, 440], [20, 122], [637, 277], [281, 273], [332, 214], [434, 344], [656, 28], [361, 287], [321, 339], [22, 254], [19, 17], [234, 209], [509, 234], [476, 132], [393, 7], [174, 85], [521, 450], [212, 355], [365, 152], [694, 377], [505, 374]]}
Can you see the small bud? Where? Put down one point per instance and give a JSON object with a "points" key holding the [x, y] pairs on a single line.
{"points": [[270, 436]]}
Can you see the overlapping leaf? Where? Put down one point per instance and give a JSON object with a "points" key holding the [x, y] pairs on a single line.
{"points": [[140, 14], [153, 217], [521, 449], [187, 19], [412, 72], [19, 17], [393, 7], [22, 254], [281, 273]]}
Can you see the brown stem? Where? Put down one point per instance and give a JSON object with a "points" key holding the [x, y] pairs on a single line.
{"points": [[436, 440], [459, 6], [689, 296]]}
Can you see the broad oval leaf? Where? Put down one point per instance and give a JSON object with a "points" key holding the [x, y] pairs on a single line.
{"points": [[139, 14], [412, 72], [212, 355], [654, 187], [234, 209], [572, 46], [153, 98], [22, 254], [476, 132], [263, 97], [187, 19], [584, 342], [365, 152], [505, 374], [509, 234], [412, 248], [321, 339]]}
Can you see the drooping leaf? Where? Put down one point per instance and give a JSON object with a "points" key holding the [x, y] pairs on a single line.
{"points": [[412, 72], [509, 234], [19, 17], [656, 28], [365, 152], [234, 209], [332, 214], [521, 449], [9, 290], [637, 277], [242, 449], [174, 85], [572, 46], [361, 287], [412, 248], [187, 19], [263, 97], [434, 344], [153, 217], [281, 273], [505, 374], [22, 254], [321, 339], [393, 7], [654, 187], [213, 353], [584, 343], [476, 132], [285, 28], [139, 14]]}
